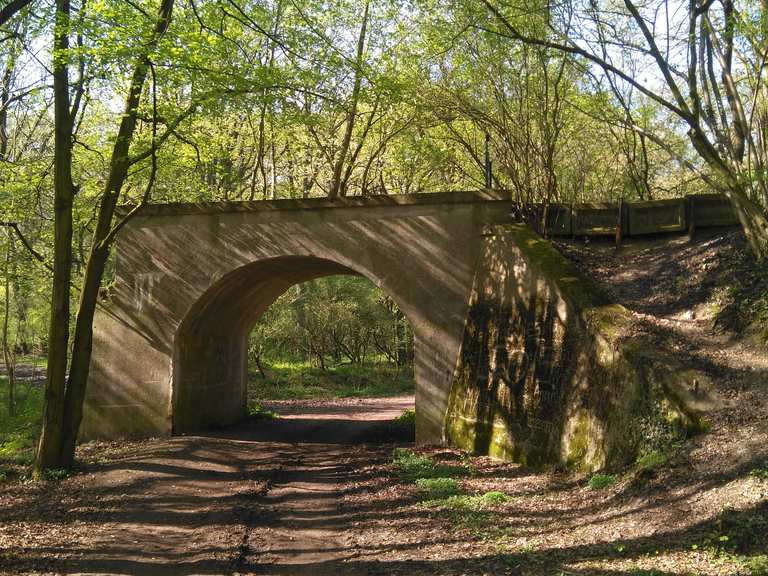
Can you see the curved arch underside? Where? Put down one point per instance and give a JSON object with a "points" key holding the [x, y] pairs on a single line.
{"points": [[210, 349]]}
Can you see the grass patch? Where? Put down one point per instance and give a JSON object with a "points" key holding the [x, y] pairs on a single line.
{"points": [[302, 381], [18, 433], [412, 467], [472, 503], [602, 481], [473, 512], [438, 488]]}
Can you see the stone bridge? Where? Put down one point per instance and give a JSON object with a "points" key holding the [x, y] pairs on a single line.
{"points": [[516, 354], [170, 338]]}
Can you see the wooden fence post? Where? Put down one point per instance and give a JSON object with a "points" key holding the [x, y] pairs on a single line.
{"points": [[691, 214], [620, 223]]}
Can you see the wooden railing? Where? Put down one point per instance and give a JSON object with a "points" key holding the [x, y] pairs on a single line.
{"points": [[622, 219]]}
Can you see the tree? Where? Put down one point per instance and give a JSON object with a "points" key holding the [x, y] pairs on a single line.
{"points": [[698, 86], [65, 393]]}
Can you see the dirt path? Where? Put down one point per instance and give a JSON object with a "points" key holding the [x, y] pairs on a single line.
{"points": [[299, 526], [258, 498]]}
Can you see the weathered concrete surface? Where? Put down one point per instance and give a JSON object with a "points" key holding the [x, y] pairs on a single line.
{"points": [[170, 340], [550, 370]]}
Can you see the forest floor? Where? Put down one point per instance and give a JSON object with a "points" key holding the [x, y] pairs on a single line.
{"points": [[334, 487]]}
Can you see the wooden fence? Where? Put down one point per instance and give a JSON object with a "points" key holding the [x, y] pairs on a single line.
{"points": [[622, 219]]}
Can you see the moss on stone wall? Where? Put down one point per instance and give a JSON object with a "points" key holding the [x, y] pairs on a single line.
{"points": [[548, 370]]}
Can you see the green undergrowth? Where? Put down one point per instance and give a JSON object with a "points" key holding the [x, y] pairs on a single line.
{"points": [[18, 433], [744, 301], [476, 513], [652, 460], [601, 481], [412, 467], [440, 490], [761, 472], [257, 412], [302, 381], [407, 418], [737, 538], [646, 466]]}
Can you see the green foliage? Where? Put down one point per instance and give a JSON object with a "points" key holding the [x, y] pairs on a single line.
{"points": [[736, 533], [601, 481], [757, 565], [407, 418], [301, 381], [412, 467], [472, 512], [651, 460], [257, 412], [56, 474], [474, 503], [18, 433], [438, 488], [329, 321], [761, 472]]}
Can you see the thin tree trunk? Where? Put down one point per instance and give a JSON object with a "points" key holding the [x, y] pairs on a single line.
{"points": [[8, 355], [49, 448]]}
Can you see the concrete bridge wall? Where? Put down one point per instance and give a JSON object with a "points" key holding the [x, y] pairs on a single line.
{"points": [[170, 338]]}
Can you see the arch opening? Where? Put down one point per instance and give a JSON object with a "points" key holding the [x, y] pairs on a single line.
{"points": [[211, 369], [331, 339]]}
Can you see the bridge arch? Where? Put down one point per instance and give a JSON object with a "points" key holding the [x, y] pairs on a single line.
{"points": [[189, 274], [210, 346]]}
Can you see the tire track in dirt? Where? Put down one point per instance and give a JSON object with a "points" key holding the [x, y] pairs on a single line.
{"points": [[297, 526]]}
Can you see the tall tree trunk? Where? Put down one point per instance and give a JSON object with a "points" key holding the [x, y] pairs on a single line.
{"points": [[49, 453], [751, 216], [94, 270], [336, 188], [5, 93], [8, 354]]}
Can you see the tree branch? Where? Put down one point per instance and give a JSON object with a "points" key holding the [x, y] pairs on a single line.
{"points": [[39, 257]]}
